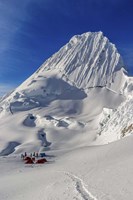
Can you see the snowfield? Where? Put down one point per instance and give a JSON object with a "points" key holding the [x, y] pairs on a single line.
{"points": [[77, 108], [87, 173]]}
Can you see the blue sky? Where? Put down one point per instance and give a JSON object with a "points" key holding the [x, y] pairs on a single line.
{"points": [[32, 30]]}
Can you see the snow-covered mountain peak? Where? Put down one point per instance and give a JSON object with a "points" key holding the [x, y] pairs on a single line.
{"points": [[87, 61], [84, 36], [65, 97]]}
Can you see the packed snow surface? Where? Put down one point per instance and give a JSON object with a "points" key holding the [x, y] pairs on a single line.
{"points": [[87, 173]]}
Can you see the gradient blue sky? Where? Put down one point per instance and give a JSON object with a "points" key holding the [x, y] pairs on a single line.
{"points": [[32, 30]]}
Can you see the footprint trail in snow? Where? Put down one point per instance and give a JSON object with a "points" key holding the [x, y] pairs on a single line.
{"points": [[80, 187]]}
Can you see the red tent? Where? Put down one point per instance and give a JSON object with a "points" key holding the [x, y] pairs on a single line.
{"points": [[33, 159], [29, 161], [27, 158], [41, 161]]}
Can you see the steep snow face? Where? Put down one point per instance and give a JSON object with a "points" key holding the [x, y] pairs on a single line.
{"points": [[88, 60], [117, 124]]}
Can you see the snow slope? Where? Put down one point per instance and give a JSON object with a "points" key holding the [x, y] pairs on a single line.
{"points": [[66, 122], [88, 173]]}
